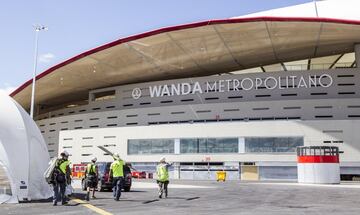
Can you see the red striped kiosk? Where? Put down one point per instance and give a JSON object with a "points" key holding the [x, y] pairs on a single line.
{"points": [[318, 165]]}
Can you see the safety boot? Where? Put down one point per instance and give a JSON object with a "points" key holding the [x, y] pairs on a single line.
{"points": [[87, 198]]}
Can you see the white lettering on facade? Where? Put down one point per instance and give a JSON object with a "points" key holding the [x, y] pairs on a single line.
{"points": [[155, 91], [227, 85], [323, 83], [258, 82], [197, 88], [302, 83], [236, 84], [165, 91], [175, 89], [280, 85], [292, 81], [267, 85], [312, 81], [221, 86], [287, 82], [185, 88], [209, 88], [243, 85]]}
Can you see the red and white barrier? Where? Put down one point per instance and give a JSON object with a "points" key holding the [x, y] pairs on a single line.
{"points": [[318, 169]]}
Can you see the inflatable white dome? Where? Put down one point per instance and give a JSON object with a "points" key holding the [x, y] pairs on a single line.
{"points": [[23, 154]]}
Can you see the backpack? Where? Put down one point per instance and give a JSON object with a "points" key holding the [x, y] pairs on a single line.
{"points": [[49, 172]]}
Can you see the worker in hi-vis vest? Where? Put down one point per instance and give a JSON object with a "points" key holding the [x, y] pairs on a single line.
{"points": [[91, 174], [162, 171], [61, 177], [117, 175]]}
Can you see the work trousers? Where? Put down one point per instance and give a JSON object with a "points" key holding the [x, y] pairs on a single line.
{"points": [[163, 188], [118, 183], [59, 192]]}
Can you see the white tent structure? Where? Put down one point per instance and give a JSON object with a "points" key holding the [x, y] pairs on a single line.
{"points": [[23, 155]]}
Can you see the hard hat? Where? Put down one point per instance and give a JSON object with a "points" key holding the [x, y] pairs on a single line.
{"points": [[65, 154], [116, 156], [94, 159], [162, 159]]}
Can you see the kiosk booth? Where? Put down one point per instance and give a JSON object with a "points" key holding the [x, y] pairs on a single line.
{"points": [[318, 164]]}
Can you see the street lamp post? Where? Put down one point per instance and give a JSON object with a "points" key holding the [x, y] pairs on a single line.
{"points": [[37, 29], [316, 9]]}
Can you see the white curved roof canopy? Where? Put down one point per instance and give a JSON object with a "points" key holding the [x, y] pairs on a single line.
{"points": [[23, 153], [265, 41]]}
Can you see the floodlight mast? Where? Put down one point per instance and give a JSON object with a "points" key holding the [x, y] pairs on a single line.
{"points": [[37, 29], [316, 9]]}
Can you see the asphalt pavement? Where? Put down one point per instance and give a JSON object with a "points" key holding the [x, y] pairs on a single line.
{"points": [[208, 197]]}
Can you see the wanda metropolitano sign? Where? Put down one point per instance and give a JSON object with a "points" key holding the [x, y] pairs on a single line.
{"points": [[228, 85]]}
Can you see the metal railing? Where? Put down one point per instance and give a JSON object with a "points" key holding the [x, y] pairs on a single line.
{"points": [[317, 151], [302, 67]]}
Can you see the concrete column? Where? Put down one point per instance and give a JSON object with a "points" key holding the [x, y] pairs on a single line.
{"points": [[177, 146], [357, 54], [241, 145], [177, 165], [176, 170]]}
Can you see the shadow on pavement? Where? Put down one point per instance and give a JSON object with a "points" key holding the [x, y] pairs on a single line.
{"points": [[129, 200], [150, 201], [193, 198], [184, 198], [49, 201], [72, 205], [131, 191], [99, 198], [38, 201], [78, 195], [176, 198], [136, 191]]}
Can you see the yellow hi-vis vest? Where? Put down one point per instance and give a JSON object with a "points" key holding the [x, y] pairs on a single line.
{"points": [[63, 165], [91, 169], [162, 172], [117, 168]]}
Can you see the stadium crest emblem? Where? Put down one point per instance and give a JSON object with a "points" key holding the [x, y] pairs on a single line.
{"points": [[136, 93]]}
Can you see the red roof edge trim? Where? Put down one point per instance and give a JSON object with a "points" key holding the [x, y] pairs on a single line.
{"points": [[181, 27]]}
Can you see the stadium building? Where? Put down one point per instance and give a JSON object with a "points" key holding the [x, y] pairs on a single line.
{"points": [[238, 94]]}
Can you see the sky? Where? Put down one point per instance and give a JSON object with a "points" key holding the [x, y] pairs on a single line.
{"points": [[75, 26]]}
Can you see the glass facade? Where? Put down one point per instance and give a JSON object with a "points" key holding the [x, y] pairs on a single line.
{"points": [[151, 146], [272, 144], [215, 145], [209, 145]]}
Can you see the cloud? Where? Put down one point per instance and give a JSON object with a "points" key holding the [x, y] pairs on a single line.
{"points": [[46, 58], [7, 90]]}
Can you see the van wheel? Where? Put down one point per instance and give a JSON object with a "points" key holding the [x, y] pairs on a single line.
{"points": [[126, 189], [83, 185]]}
